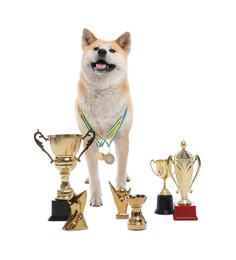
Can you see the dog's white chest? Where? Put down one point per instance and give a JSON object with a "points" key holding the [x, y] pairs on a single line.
{"points": [[103, 110]]}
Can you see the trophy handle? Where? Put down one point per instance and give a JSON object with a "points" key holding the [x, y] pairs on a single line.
{"points": [[197, 158], [171, 174], [90, 141], [152, 161], [40, 144]]}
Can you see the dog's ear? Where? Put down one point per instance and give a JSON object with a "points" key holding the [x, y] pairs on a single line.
{"points": [[124, 41], [87, 38]]}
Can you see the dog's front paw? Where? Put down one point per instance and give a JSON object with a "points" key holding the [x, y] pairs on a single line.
{"points": [[96, 201]]}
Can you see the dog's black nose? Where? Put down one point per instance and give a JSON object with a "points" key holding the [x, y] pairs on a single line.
{"points": [[102, 52]]}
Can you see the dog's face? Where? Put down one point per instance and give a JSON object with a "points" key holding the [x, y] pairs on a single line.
{"points": [[104, 59]]}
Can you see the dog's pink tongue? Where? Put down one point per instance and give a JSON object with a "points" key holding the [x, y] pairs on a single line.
{"points": [[100, 66]]}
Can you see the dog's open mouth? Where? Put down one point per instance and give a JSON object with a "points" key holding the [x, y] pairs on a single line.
{"points": [[102, 66]]}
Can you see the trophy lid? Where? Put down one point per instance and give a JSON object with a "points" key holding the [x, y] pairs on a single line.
{"points": [[183, 154]]}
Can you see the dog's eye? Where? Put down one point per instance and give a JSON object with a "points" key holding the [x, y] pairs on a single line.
{"points": [[96, 48], [112, 50]]}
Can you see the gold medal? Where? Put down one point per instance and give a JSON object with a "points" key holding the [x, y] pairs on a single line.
{"points": [[109, 158], [100, 156]]}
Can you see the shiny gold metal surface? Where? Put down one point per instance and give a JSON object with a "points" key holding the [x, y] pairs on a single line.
{"points": [[137, 220], [100, 156], [183, 163], [120, 201], [76, 220], [65, 148], [162, 171]]}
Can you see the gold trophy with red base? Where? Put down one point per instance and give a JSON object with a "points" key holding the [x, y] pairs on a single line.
{"points": [[183, 163]]}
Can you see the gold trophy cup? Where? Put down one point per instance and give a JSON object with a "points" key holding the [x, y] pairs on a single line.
{"points": [[164, 198], [183, 165], [137, 220], [65, 148]]}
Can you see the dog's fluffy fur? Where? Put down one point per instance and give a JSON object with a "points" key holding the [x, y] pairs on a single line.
{"points": [[103, 95]]}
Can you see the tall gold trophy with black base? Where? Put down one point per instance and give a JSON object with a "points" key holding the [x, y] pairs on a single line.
{"points": [[164, 198], [65, 148], [183, 163]]}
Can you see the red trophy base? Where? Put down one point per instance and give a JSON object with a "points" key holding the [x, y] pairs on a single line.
{"points": [[185, 212]]}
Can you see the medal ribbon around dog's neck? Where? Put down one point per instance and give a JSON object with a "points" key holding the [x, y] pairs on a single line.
{"points": [[100, 141]]}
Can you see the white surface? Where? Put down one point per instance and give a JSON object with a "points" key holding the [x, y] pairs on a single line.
{"points": [[182, 77]]}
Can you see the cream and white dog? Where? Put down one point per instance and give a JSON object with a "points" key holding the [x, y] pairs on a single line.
{"points": [[103, 97]]}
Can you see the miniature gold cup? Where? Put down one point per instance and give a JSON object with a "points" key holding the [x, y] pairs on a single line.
{"points": [[164, 198], [162, 171]]}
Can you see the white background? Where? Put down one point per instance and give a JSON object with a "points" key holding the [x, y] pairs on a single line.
{"points": [[182, 77]]}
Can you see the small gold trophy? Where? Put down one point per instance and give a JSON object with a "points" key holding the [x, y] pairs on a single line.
{"points": [[120, 201], [183, 164], [164, 198], [76, 220], [65, 148], [137, 220]]}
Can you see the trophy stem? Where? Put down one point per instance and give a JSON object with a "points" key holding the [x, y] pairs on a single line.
{"points": [[184, 201], [165, 191], [164, 183], [65, 192]]}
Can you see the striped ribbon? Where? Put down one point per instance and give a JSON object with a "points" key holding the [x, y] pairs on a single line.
{"points": [[99, 140]]}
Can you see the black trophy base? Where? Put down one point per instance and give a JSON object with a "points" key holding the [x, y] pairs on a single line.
{"points": [[164, 205], [60, 210]]}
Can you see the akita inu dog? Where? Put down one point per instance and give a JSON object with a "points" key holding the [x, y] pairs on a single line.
{"points": [[104, 105]]}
